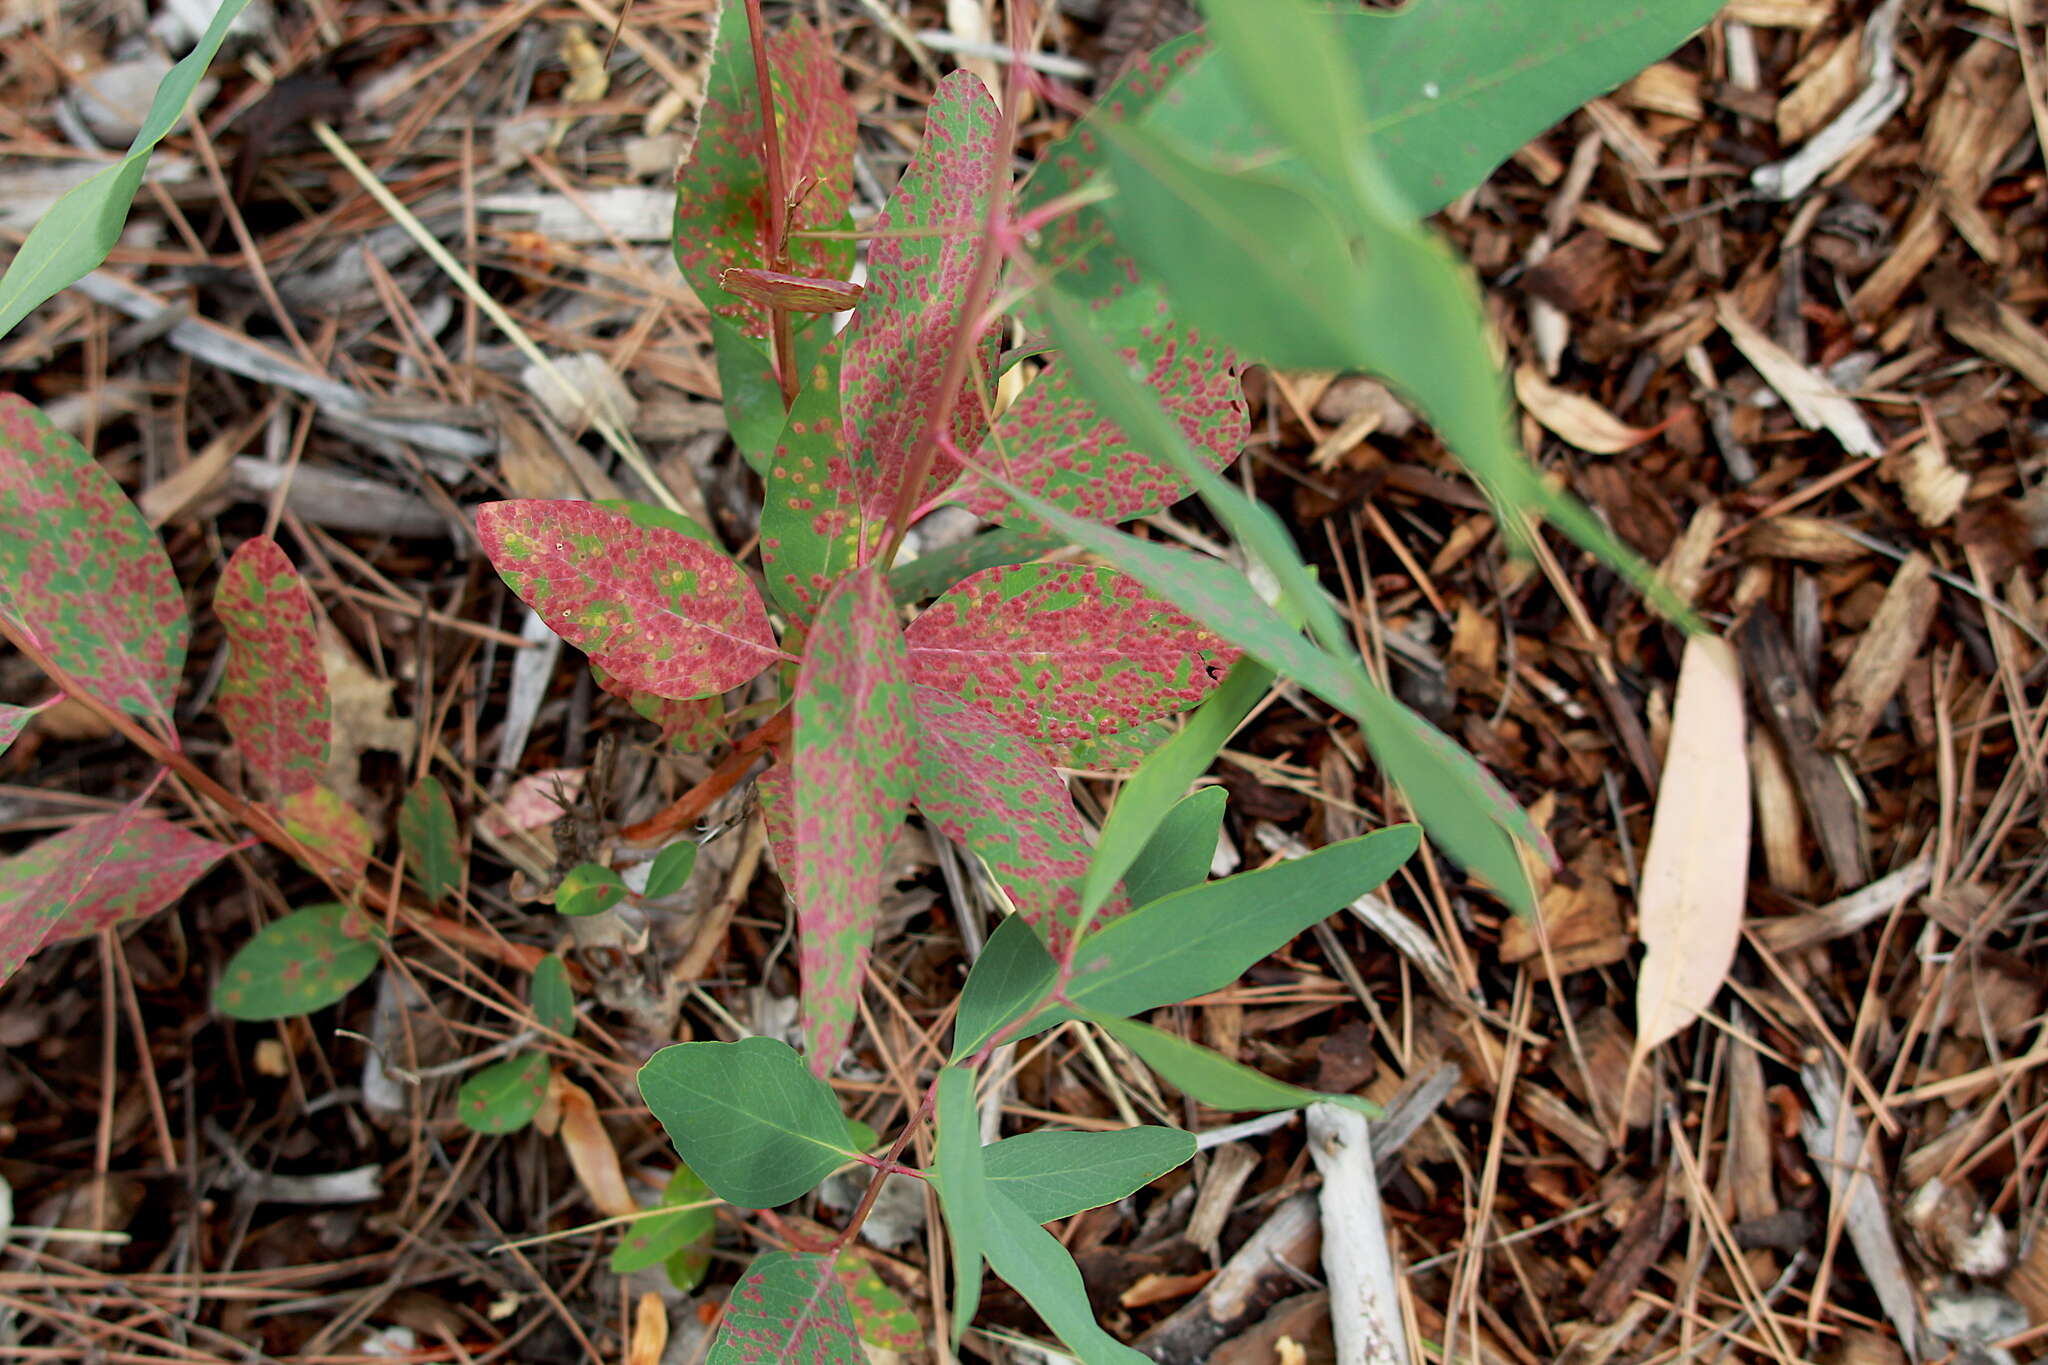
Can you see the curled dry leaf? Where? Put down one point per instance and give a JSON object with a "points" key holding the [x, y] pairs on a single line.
{"points": [[590, 1149], [1574, 418], [1695, 874]]}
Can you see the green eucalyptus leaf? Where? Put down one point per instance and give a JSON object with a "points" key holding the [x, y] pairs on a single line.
{"points": [[1032, 1262], [426, 831], [588, 889], [1053, 1175], [1214, 1079], [963, 1189], [554, 1000], [504, 1096], [1179, 853], [71, 240], [672, 868], [1160, 781], [1202, 939], [303, 962], [748, 1117], [1011, 976], [664, 1237]]}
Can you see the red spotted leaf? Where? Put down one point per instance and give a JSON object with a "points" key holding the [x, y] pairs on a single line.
{"points": [[897, 349], [813, 525], [152, 863], [15, 719], [660, 611], [40, 884], [771, 789], [787, 1310], [851, 758], [687, 727], [1061, 653], [83, 571], [1055, 443], [332, 830], [987, 788], [722, 217], [273, 691], [879, 1313]]}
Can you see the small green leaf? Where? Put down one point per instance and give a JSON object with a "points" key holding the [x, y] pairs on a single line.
{"points": [[303, 962], [863, 1137], [588, 889], [554, 1001], [1054, 1175], [1179, 853], [1202, 939], [1148, 796], [426, 831], [879, 1313], [1214, 1079], [686, 1268], [662, 1239], [504, 1096], [963, 1189], [785, 1310], [1011, 977], [1032, 1262], [748, 1117], [74, 236], [672, 868]]}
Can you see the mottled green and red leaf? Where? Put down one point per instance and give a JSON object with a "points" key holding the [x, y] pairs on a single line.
{"points": [[84, 573], [787, 1310], [1061, 653], [851, 758], [920, 268], [334, 833], [988, 789], [15, 719], [722, 212], [660, 611], [273, 690]]}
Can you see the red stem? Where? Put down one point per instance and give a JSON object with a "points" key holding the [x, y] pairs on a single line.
{"points": [[894, 1158], [685, 809]]}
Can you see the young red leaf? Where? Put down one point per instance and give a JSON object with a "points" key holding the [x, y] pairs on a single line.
{"points": [[662, 612], [1062, 653], [84, 572], [15, 719], [151, 864], [787, 1310], [273, 690], [986, 788], [721, 193], [851, 755], [39, 885], [332, 830], [897, 349]]}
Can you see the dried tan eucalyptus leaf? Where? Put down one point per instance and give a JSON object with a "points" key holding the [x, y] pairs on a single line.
{"points": [[1574, 418], [1696, 871]]}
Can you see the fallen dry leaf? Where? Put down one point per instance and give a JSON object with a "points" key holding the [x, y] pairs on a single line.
{"points": [[1696, 872], [591, 1154], [1574, 418], [650, 1331], [1813, 400], [1933, 488], [360, 707]]}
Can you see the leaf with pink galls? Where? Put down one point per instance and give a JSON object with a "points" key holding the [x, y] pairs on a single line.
{"points": [[721, 192], [920, 266], [987, 788], [787, 1310], [273, 690], [301, 963], [1062, 653], [851, 756], [660, 611], [813, 525], [879, 1313], [83, 571], [687, 727], [504, 1096]]}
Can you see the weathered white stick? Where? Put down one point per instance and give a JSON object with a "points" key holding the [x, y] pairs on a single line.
{"points": [[1365, 1304]]}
